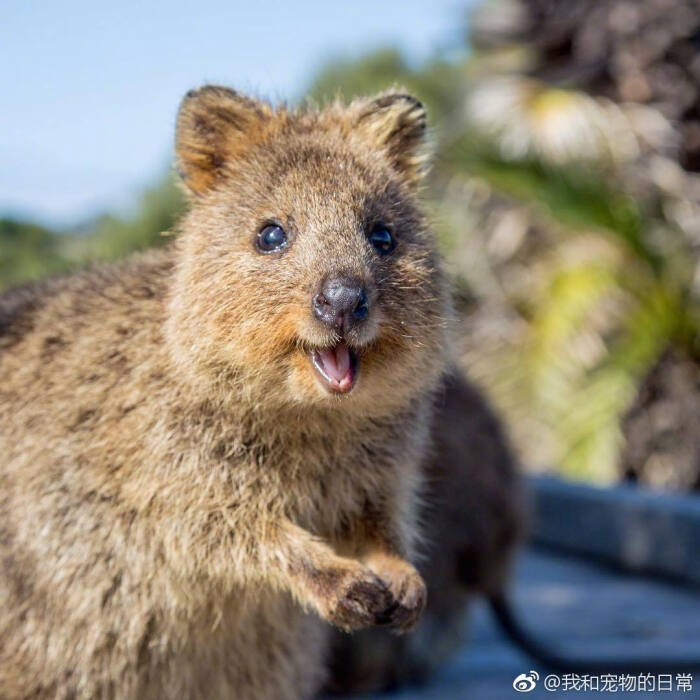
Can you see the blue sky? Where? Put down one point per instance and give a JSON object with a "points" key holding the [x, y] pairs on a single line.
{"points": [[90, 89]]}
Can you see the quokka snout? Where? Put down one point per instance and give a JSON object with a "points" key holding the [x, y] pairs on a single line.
{"points": [[206, 448]]}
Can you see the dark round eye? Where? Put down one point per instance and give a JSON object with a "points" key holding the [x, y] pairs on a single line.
{"points": [[380, 237], [271, 238]]}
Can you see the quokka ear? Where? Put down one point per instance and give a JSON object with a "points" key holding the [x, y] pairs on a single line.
{"points": [[215, 125], [395, 122]]}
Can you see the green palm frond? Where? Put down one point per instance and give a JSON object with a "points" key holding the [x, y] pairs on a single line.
{"points": [[590, 427], [578, 199]]}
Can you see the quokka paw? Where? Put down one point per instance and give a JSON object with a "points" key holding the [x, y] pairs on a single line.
{"points": [[361, 600], [408, 590], [411, 595]]}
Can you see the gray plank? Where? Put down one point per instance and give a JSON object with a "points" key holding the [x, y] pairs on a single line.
{"points": [[636, 528]]}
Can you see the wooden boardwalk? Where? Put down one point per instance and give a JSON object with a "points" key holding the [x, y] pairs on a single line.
{"points": [[582, 607]]}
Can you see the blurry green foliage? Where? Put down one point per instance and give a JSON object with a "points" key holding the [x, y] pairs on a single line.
{"points": [[29, 251], [579, 199], [436, 82], [157, 210]]}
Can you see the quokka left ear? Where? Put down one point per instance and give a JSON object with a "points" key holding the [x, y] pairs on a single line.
{"points": [[396, 123], [214, 126]]}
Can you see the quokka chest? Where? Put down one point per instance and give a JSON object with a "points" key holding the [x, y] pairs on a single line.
{"points": [[322, 483], [328, 493]]}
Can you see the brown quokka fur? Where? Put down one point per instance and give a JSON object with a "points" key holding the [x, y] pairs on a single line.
{"points": [[473, 517], [206, 448]]}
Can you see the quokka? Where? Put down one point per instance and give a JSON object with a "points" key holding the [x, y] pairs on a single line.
{"points": [[208, 447]]}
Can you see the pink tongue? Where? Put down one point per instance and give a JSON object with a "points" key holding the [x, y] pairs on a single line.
{"points": [[336, 361]]}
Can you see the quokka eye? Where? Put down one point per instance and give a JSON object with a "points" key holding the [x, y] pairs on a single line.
{"points": [[271, 238], [382, 239]]}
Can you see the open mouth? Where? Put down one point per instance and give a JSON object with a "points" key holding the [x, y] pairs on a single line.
{"points": [[336, 366]]}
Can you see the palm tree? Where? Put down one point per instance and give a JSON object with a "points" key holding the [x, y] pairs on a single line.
{"points": [[607, 293]]}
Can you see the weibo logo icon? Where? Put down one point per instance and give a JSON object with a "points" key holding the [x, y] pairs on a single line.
{"points": [[526, 682]]}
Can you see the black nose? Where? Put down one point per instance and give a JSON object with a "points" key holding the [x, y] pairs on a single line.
{"points": [[342, 303]]}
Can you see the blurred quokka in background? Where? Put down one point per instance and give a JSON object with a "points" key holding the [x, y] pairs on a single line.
{"points": [[207, 448]]}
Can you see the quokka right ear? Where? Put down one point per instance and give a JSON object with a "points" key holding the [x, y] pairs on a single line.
{"points": [[395, 122], [215, 125]]}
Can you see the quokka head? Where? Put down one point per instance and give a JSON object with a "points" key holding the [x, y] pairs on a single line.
{"points": [[306, 269]]}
